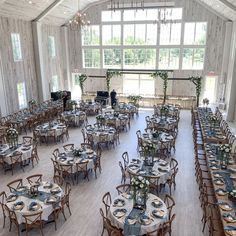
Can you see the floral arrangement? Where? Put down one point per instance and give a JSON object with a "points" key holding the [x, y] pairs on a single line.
{"points": [[32, 102], [12, 133], [148, 150], [77, 151], [163, 75], [205, 101], [135, 99], [116, 114], [232, 193], [140, 183], [225, 148], [213, 119], [164, 110], [100, 117], [156, 134], [109, 75], [197, 80]]}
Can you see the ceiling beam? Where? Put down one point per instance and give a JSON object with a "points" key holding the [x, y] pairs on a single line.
{"points": [[48, 10], [228, 4], [209, 8]]}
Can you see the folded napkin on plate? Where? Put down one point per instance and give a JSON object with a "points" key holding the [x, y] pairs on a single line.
{"points": [[19, 203], [32, 206], [230, 227]]}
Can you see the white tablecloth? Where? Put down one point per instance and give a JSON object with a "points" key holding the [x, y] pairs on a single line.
{"points": [[119, 222], [163, 176], [25, 150], [47, 209], [45, 127]]}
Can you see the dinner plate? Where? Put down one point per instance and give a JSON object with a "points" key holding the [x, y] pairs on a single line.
{"points": [[229, 218], [18, 206], [48, 185], [131, 220], [145, 220], [217, 175], [119, 212], [34, 206], [225, 206], [219, 182], [158, 213], [11, 198], [157, 203], [221, 192], [230, 230], [21, 189], [51, 200], [119, 202], [162, 170], [55, 190]]}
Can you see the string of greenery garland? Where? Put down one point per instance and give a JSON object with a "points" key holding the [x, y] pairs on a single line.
{"points": [[164, 76], [109, 75], [82, 79], [197, 80]]}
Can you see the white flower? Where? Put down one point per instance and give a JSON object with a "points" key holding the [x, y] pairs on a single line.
{"points": [[141, 186]]}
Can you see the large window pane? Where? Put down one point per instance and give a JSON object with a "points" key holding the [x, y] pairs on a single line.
{"points": [[130, 84], [51, 46], [22, 99], [138, 84], [140, 34], [195, 33], [91, 58], [112, 58], [111, 34], [90, 35], [16, 47], [171, 14], [139, 58], [170, 34], [169, 58], [108, 16], [200, 35], [193, 58], [54, 83]]}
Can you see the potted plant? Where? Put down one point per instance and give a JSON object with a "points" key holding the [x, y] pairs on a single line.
{"points": [[135, 99]]}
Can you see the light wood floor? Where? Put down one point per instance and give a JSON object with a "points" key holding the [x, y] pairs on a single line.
{"points": [[86, 196]]}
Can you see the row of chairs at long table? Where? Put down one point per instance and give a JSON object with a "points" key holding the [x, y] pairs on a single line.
{"points": [[211, 214]]}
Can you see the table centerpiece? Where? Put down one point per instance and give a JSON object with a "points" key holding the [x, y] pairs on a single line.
{"points": [[225, 150], [12, 137], [140, 189]]}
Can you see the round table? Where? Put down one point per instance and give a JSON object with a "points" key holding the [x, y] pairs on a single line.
{"points": [[6, 152], [155, 222], [47, 127], [97, 131], [161, 169], [47, 208], [164, 123], [114, 120], [75, 116], [163, 137], [86, 155]]}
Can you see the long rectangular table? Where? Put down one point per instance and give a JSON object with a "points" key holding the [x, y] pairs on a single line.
{"points": [[217, 174]]}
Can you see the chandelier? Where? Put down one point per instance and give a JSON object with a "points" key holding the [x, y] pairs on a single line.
{"points": [[79, 20]]}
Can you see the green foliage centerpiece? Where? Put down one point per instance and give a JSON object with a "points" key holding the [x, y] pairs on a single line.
{"points": [[109, 75], [135, 99], [149, 152], [213, 121], [12, 137], [232, 195], [164, 111], [100, 119], [164, 76], [197, 80], [140, 189], [225, 151], [71, 105]]}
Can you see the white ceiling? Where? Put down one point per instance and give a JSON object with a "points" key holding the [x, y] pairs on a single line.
{"points": [[67, 8]]}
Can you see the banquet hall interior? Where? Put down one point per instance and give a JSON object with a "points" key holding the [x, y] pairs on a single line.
{"points": [[118, 117]]}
